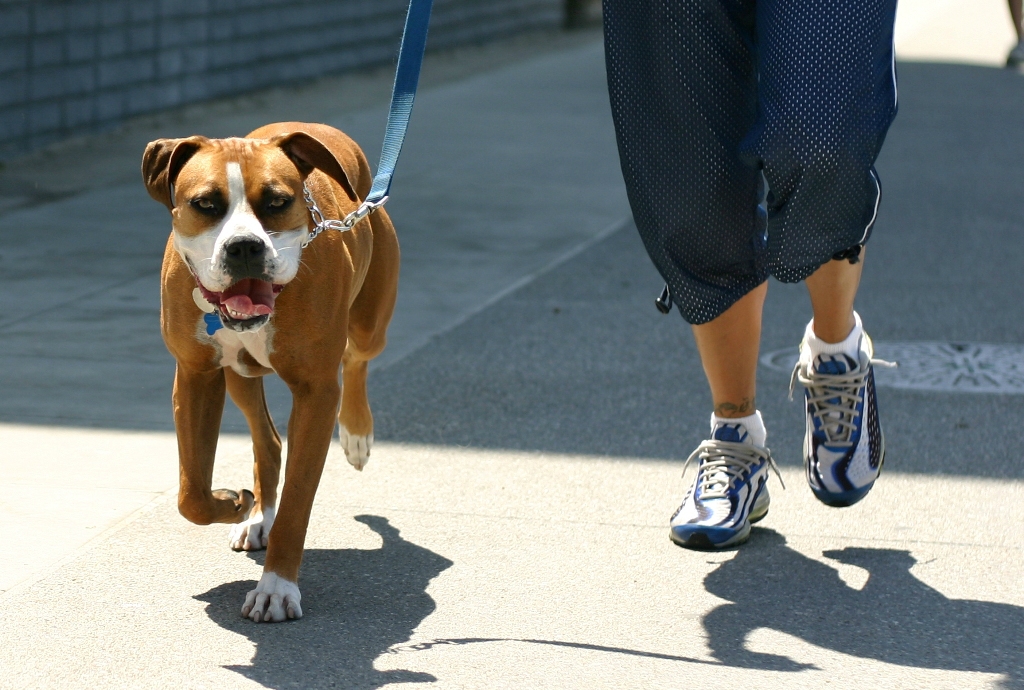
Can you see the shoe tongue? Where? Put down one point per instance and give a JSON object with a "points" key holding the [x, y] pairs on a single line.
{"points": [[716, 480], [834, 364], [733, 433]]}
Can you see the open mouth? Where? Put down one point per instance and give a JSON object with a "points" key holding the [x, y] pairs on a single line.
{"points": [[246, 300]]}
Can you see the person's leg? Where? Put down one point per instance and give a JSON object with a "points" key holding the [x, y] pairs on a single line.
{"points": [[729, 492], [682, 84], [827, 93], [728, 348], [843, 445], [832, 288]]}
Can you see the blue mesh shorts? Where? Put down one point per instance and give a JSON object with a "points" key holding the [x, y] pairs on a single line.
{"points": [[719, 104]]}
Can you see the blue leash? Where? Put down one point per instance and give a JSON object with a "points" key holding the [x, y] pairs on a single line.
{"points": [[407, 77]]}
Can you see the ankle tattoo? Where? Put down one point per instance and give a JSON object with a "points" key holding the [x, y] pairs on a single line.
{"points": [[731, 409]]}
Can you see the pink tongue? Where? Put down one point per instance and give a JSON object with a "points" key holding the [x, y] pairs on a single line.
{"points": [[243, 305]]}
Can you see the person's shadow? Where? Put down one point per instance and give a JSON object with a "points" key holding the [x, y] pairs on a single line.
{"points": [[356, 603], [895, 618]]}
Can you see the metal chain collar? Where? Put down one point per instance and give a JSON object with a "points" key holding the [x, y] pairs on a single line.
{"points": [[347, 223]]}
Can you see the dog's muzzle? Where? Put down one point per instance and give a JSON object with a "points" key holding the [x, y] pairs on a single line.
{"points": [[246, 305]]}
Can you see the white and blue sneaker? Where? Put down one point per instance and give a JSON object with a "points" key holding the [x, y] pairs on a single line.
{"points": [[730, 491], [843, 444]]}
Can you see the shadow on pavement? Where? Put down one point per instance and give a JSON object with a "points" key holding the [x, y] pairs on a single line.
{"points": [[360, 604], [896, 618], [579, 361]]}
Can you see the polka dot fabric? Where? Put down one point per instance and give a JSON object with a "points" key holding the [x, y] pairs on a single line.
{"points": [[719, 104]]}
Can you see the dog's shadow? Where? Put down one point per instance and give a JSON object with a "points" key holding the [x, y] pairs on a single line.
{"points": [[895, 618], [356, 603]]}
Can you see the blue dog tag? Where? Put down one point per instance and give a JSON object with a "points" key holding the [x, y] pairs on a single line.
{"points": [[210, 315], [213, 323]]}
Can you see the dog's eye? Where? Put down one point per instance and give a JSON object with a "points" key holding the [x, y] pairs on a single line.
{"points": [[278, 203], [204, 205]]}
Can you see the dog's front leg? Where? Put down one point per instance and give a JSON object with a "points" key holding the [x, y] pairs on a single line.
{"points": [[314, 406], [198, 404], [253, 533]]}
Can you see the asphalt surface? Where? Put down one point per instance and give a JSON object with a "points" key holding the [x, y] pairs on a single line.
{"points": [[532, 417], [580, 361]]}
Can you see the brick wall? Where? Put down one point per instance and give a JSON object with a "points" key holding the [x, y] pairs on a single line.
{"points": [[69, 67]]}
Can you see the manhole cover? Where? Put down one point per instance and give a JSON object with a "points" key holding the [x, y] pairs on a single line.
{"points": [[946, 367]]}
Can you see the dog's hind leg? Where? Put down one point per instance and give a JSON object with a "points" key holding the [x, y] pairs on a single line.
{"points": [[252, 533], [367, 335], [355, 421], [198, 404]]}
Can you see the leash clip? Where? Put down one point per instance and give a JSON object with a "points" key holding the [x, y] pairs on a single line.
{"points": [[347, 223]]}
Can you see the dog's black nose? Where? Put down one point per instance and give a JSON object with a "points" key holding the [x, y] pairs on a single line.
{"points": [[244, 249], [244, 255]]}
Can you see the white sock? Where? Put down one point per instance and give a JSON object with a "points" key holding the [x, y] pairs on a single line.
{"points": [[850, 346], [752, 423]]}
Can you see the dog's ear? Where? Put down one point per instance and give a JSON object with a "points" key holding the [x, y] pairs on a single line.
{"points": [[308, 152], [161, 163]]}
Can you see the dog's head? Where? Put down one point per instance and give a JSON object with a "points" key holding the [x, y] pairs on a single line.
{"points": [[238, 215]]}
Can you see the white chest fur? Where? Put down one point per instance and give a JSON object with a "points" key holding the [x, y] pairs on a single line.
{"points": [[230, 344], [256, 343]]}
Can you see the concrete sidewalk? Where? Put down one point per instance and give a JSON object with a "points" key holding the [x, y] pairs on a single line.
{"points": [[532, 412]]}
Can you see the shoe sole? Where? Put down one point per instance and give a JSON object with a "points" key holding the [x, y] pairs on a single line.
{"points": [[700, 541]]}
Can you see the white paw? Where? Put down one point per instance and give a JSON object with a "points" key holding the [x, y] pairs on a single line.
{"points": [[253, 533], [357, 448], [275, 599]]}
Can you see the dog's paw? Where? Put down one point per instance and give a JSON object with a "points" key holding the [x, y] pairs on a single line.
{"points": [[357, 448], [252, 533], [275, 599]]}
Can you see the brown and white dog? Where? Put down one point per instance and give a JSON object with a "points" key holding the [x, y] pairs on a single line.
{"points": [[238, 222]]}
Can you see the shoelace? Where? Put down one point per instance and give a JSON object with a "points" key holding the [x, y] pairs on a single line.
{"points": [[723, 463], [833, 398]]}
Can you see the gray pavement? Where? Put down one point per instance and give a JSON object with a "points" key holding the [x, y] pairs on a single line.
{"points": [[478, 213], [510, 530]]}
